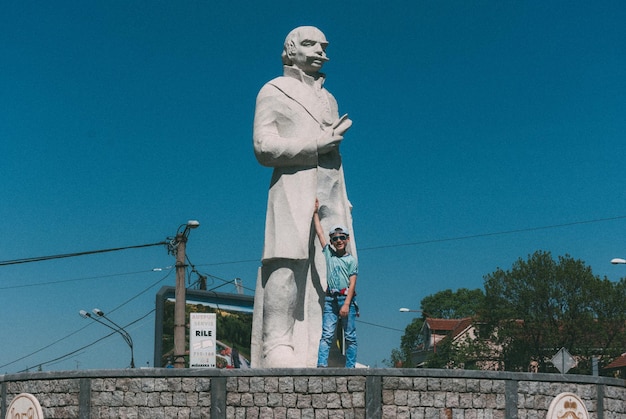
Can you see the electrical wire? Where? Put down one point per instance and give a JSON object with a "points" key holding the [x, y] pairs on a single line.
{"points": [[45, 347], [449, 239], [256, 260], [226, 282], [207, 275], [221, 285], [87, 325], [499, 233], [62, 357], [61, 281], [82, 328], [378, 325], [69, 255], [362, 249], [141, 293]]}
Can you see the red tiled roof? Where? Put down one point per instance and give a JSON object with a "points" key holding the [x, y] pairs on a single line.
{"points": [[455, 326], [617, 362], [441, 324]]}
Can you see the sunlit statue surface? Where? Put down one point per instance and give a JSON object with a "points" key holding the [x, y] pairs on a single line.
{"points": [[297, 131]]}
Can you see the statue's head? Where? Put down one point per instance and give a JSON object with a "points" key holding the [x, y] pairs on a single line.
{"points": [[305, 48]]}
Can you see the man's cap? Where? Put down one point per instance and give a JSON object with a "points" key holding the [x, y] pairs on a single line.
{"points": [[338, 229]]}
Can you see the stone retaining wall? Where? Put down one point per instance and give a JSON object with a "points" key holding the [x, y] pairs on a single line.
{"points": [[308, 393]]}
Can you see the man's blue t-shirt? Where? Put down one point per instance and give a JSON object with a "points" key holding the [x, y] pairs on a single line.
{"points": [[339, 269]]}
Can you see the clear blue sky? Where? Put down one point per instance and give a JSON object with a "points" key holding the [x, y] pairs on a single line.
{"points": [[121, 120]]}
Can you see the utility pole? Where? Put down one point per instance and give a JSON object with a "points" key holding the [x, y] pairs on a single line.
{"points": [[238, 286], [180, 303], [177, 247]]}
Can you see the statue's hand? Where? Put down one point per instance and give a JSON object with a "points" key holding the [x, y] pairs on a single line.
{"points": [[333, 135], [341, 125], [328, 142]]}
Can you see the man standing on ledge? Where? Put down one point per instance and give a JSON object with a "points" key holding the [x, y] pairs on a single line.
{"points": [[297, 131]]}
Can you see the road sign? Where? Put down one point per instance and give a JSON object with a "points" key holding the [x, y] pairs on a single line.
{"points": [[563, 361]]}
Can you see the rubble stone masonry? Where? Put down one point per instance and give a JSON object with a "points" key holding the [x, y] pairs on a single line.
{"points": [[308, 393]]}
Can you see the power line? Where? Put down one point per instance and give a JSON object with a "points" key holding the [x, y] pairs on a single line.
{"points": [[110, 334], [84, 327], [378, 325], [418, 243], [45, 347], [449, 239], [206, 276], [42, 258], [362, 249], [62, 357], [61, 281], [499, 233], [232, 262], [69, 255], [227, 282], [142, 292]]}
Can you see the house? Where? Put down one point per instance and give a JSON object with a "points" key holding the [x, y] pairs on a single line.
{"points": [[434, 331], [618, 366], [463, 333]]}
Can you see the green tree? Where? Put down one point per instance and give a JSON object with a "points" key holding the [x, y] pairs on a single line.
{"points": [[541, 305], [450, 304], [526, 315], [610, 310]]}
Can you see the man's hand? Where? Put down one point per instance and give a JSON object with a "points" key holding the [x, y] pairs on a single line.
{"points": [[319, 231], [344, 310]]}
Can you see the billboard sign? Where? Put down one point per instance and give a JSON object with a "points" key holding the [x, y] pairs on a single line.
{"points": [[232, 328], [202, 340]]}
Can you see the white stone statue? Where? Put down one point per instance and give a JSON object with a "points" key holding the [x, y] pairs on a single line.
{"points": [[297, 131]]}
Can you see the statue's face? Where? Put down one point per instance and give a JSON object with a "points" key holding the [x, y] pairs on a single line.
{"points": [[309, 50]]}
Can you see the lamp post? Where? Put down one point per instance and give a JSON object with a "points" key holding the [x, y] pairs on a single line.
{"points": [[177, 248], [113, 326], [408, 310]]}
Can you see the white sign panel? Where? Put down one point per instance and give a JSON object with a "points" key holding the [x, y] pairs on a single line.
{"points": [[202, 340]]}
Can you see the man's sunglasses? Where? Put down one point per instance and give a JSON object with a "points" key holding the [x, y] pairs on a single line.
{"points": [[335, 238]]}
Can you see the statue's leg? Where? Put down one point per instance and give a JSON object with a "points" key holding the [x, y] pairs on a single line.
{"points": [[279, 312]]}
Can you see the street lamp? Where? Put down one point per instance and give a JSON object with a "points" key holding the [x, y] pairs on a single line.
{"points": [[618, 261], [115, 327], [408, 310], [177, 247]]}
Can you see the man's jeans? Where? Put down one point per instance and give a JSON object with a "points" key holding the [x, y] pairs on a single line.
{"points": [[330, 316]]}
